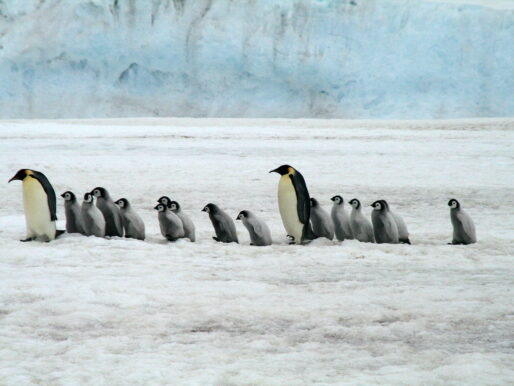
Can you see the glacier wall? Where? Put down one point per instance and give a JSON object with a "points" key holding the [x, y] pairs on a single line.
{"points": [[403, 59]]}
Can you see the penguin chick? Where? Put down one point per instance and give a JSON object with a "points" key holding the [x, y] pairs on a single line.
{"points": [[39, 204], [341, 220], [463, 226], [260, 234], [362, 229], [403, 233], [294, 204], [384, 225], [189, 227], [104, 202], [170, 224], [321, 222], [223, 225], [74, 223], [94, 221], [133, 225], [165, 200]]}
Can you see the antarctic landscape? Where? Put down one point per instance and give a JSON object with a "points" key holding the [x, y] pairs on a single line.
{"points": [[86, 310]]}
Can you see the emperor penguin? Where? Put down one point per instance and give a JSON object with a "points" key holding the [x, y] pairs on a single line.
{"points": [[39, 203], [342, 227], [165, 200], [189, 227], [133, 225], [94, 221], [321, 221], [104, 202], [294, 204], [224, 227], [463, 226], [74, 223], [384, 224], [171, 225], [362, 229], [260, 234]]}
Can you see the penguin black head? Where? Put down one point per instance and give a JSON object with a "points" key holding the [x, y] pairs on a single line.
{"points": [[380, 205], [165, 200], [21, 175], [122, 203], [242, 215], [355, 203], [69, 196], [174, 205], [88, 197], [314, 202], [100, 192], [160, 208], [337, 199], [210, 208], [283, 170], [453, 203]]}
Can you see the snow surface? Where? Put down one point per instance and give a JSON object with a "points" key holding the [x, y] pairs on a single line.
{"points": [[95, 311], [293, 58]]}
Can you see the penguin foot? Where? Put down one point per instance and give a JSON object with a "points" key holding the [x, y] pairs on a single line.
{"points": [[406, 241], [215, 238], [59, 232], [28, 239], [252, 244]]}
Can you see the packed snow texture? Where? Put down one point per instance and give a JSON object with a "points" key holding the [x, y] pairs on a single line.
{"points": [[220, 58], [94, 311]]}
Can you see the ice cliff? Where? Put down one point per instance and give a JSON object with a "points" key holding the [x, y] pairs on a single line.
{"points": [[250, 58]]}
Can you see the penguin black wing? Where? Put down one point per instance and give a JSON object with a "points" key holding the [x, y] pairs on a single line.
{"points": [[50, 193], [302, 197]]}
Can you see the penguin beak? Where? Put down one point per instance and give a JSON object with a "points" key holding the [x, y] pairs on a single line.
{"points": [[203, 210], [333, 199], [274, 171], [156, 207]]}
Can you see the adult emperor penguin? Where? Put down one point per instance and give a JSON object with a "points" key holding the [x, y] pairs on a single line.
{"points": [[384, 224], [463, 226], [133, 225], [362, 229], [223, 225], [342, 227], [39, 203], [94, 221], [294, 204], [321, 222], [112, 215], [189, 227], [170, 224], [260, 234], [74, 223]]}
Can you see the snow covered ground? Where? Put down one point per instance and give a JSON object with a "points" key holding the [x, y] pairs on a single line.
{"points": [[94, 311]]}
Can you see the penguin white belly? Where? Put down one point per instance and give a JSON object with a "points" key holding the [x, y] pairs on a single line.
{"points": [[287, 204], [37, 212]]}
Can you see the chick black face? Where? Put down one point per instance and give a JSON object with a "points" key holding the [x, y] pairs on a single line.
{"points": [[160, 208], [164, 200], [337, 199], [242, 215], [88, 197], [68, 196], [453, 203], [377, 205], [122, 202], [355, 203], [209, 208], [174, 205], [99, 192]]}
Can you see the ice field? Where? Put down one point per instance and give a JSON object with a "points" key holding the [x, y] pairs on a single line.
{"points": [[103, 312]]}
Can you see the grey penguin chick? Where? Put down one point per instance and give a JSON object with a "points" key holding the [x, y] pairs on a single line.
{"points": [[403, 233], [341, 220], [133, 225], [260, 234], [165, 200], [463, 226], [223, 225], [189, 227], [362, 229], [74, 222], [321, 222], [94, 221], [384, 225], [112, 215], [170, 224]]}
